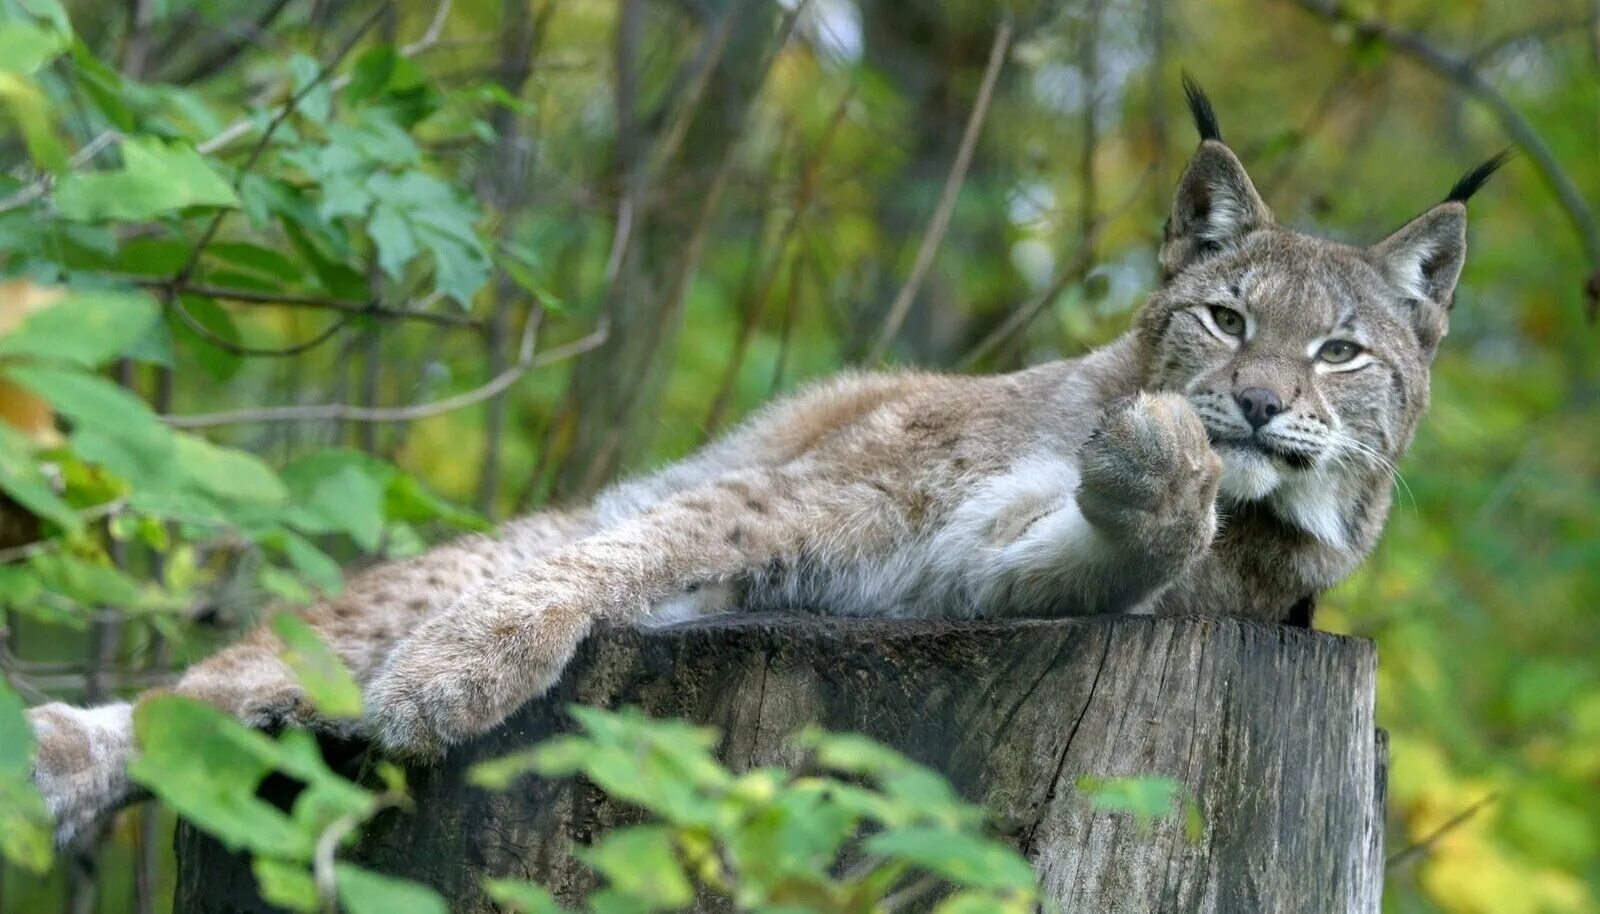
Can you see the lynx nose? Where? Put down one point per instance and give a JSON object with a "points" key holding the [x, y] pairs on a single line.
{"points": [[1259, 405]]}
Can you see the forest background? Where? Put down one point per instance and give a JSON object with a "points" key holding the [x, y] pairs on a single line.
{"points": [[347, 277]]}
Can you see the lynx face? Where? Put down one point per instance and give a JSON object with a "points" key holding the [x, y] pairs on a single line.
{"points": [[1300, 357], [1307, 360]]}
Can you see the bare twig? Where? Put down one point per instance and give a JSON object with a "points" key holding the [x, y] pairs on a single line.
{"points": [[1459, 72], [39, 547], [1539, 31], [340, 412], [39, 186], [1072, 271], [689, 266], [296, 300], [243, 126], [328, 842], [803, 197], [667, 147], [189, 265], [1407, 854], [934, 234], [227, 345]]}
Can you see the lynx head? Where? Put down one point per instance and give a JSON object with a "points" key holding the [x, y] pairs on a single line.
{"points": [[1307, 359]]}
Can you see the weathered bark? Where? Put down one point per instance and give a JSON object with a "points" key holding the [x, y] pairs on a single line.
{"points": [[1269, 729]]}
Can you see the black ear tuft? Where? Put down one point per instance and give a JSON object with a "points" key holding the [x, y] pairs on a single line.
{"points": [[1474, 179], [1205, 117]]}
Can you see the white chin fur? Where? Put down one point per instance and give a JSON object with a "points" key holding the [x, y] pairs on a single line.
{"points": [[1247, 476]]}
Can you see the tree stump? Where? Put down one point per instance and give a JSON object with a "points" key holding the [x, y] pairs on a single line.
{"points": [[1269, 729]]}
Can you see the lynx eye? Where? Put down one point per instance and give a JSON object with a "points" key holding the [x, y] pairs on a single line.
{"points": [[1337, 352], [1228, 320]]}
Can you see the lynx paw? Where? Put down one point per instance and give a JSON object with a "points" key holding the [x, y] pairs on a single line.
{"points": [[1150, 477], [81, 764], [267, 698], [430, 696], [463, 673]]}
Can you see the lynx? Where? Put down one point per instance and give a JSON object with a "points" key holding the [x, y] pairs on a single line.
{"points": [[1232, 453]]}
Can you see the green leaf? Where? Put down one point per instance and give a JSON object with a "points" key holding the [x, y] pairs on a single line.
{"points": [[111, 426], [266, 262], [642, 862], [316, 104], [207, 766], [964, 859], [986, 903], [439, 221], [501, 773], [522, 264], [156, 178], [31, 109], [407, 499], [217, 361], [21, 478], [228, 473], [25, 825], [286, 885], [317, 567], [339, 491], [1146, 798], [25, 47], [371, 73], [321, 673], [88, 327], [104, 86], [88, 583], [521, 897], [365, 892]]}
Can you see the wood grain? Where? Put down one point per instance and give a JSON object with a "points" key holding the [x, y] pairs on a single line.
{"points": [[1269, 728]]}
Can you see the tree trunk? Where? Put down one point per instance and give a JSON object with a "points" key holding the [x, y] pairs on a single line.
{"points": [[1269, 729]]}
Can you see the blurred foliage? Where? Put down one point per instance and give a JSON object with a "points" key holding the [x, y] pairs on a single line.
{"points": [[215, 205], [769, 839]]}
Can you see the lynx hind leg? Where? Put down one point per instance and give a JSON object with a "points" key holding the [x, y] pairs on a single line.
{"points": [[467, 669], [81, 763], [1150, 479]]}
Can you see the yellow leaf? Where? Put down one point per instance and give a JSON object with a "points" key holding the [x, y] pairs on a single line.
{"points": [[19, 408]]}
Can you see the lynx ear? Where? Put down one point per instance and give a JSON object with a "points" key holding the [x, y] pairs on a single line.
{"points": [[1423, 258], [1216, 204]]}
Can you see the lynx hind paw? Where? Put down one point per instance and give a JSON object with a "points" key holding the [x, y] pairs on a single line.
{"points": [[419, 704], [266, 698], [81, 764]]}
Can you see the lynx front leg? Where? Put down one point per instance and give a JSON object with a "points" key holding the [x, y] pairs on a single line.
{"points": [[465, 670], [1149, 491]]}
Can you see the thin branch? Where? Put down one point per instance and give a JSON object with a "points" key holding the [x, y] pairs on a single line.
{"points": [[1539, 31], [430, 36], [689, 266], [937, 225], [1073, 271], [340, 412], [1419, 848], [242, 127], [297, 300], [39, 186], [1459, 72], [667, 147], [805, 193], [193, 261], [39, 547], [323, 873], [227, 345]]}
